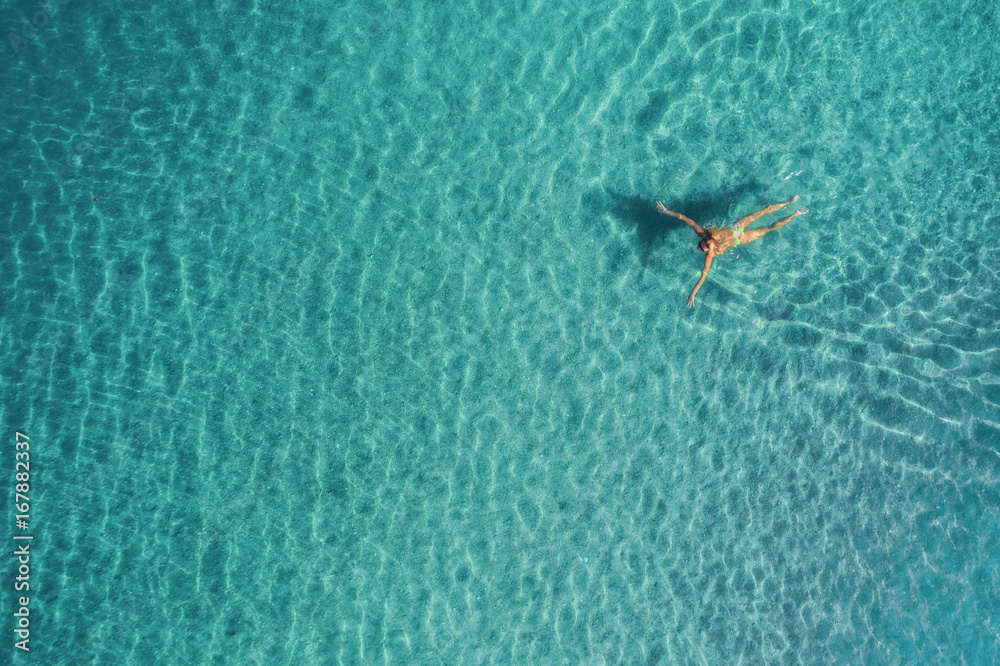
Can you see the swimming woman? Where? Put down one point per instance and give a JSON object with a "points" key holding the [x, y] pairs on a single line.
{"points": [[717, 240]]}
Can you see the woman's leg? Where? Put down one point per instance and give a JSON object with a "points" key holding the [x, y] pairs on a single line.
{"points": [[750, 219], [754, 234]]}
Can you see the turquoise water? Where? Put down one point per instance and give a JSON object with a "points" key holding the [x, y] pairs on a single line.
{"points": [[349, 333]]}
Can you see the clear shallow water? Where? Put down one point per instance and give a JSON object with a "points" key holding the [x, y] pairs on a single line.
{"points": [[374, 349]]}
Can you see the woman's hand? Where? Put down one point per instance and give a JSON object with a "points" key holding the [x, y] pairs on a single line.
{"points": [[691, 301]]}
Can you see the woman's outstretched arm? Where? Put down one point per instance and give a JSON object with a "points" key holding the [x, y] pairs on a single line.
{"points": [[663, 209], [704, 274]]}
